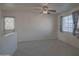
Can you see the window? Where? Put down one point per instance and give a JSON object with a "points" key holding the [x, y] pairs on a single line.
{"points": [[67, 24], [9, 24]]}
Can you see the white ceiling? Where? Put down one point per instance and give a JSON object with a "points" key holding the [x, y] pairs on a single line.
{"points": [[59, 7]]}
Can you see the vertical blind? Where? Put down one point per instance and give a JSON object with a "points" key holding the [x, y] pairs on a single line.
{"points": [[75, 21]]}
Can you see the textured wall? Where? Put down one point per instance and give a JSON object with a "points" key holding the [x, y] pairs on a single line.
{"points": [[34, 26]]}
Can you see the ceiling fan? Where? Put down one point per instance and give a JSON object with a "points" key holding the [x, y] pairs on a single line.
{"points": [[45, 9]]}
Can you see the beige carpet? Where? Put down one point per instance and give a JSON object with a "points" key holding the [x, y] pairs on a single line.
{"points": [[46, 48]]}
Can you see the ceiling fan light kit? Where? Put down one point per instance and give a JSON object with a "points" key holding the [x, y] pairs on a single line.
{"points": [[45, 12]]}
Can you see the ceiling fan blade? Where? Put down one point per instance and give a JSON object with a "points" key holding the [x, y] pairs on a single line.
{"points": [[52, 10], [36, 9], [48, 13]]}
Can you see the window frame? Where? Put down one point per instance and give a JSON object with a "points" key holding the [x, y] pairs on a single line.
{"points": [[61, 24]]}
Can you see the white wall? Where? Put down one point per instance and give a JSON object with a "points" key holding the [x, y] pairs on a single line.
{"points": [[67, 37], [0, 31], [34, 26]]}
